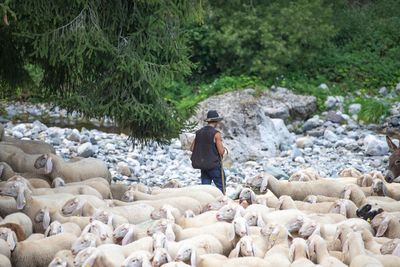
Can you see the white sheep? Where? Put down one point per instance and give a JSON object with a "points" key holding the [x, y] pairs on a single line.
{"points": [[299, 254], [56, 228], [37, 253]]}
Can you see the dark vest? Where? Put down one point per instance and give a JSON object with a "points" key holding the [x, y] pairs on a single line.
{"points": [[205, 154]]}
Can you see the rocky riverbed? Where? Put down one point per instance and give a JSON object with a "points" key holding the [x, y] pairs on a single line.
{"points": [[272, 132]]}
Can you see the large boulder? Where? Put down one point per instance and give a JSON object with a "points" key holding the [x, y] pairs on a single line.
{"points": [[374, 146], [247, 132]]}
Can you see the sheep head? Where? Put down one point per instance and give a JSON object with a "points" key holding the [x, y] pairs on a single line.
{"points": [[389, 247], [164, 212], [393, 173], [164, 226], [16, 188], [54, 228], [121, 231], [295, 224], [102, 216], [83, 255], [9, 236], [43, 217], [58, 262], [186, 253], [240, 226], [248, 195], [138, 259], [161, 256], [58, 182], [82, 242], [44, 163], [308, 228], [340, 207], [227, 213], [245, 247], [368, 211], [159, 240], [274, 233], [189, 214], [379, 188], [129, 196], [311, 199], [73, 207], [350, 172], [98, 228]]}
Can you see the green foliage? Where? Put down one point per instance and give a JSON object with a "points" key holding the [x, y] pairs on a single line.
{"points": [[188, 96], [103, 58], [261, 38], [372, 110]]}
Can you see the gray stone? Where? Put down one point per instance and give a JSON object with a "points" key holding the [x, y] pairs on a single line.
{"points": [[74, 136], [330, 136], [375, 146], [276, 172], [300, 160], [296, 153], [311, 124], [335, 117], [355, 108], [303, 142], [85, 150], [323, 86], [316, 133], [330, 102], [383, 90], [398, 87], [17, 134]]}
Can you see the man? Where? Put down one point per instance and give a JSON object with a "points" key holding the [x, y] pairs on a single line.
{"points": [[208, 150]]}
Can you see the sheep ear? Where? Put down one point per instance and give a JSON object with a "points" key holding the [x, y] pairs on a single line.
{"points": [[253, 197], [46, 233], [346, 193], [231, 232], [49, 165], [308, 252], [382, 227], [240, 211], [264, 185], [260, 221], [21, 201], [193, 258], [292, 253], [396, 251], [343, 208], [169, 233], [90, 260], [392, 146], [110, 220], [128, 238], [235, 252], [12, 240], [384, 189], [46, 218]]}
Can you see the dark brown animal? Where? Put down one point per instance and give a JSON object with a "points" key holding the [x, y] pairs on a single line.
{"points": [[17, 229], [393, 173]]}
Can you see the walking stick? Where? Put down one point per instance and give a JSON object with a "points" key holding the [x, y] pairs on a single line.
{"points": [[223, 173]]}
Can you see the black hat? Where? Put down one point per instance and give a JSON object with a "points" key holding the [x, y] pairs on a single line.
{"points": [[212, 116]]}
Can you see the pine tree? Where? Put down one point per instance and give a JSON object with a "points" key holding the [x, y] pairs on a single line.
{"points": [[103, 57]]}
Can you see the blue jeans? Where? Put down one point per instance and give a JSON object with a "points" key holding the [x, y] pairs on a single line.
{"points": [[213, 175]]}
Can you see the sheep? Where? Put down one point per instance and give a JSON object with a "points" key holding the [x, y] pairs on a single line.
{"points": [[98, 183], [9, 236], [267, 199], [354, 252], [85, 241], [63, 258], [127, 233], [138, 258], [5, 248], [118, 190], [386, 225], [73, 189], [201, 197], [189, 249], [228, 212], [299, 254], [304, 175], [4, 261], [169, 212], [318, 250], [180, 202], [300, 190], [350, 172], [389, 246], [43, 217], [247, 248], [37, 253], [216, 205], [20, 219], [161, 257], [172, 184], [381, 188], [212, 190], [28, 146], [22, 162], [278, 245], [75, 171], [57, 228], [211, 260]]}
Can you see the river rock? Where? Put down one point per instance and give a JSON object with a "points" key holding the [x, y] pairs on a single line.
{"points": [[323, 86], [85, 150], [330, 136], [74, 136], [311, 124], [375, 146], [303, 142], [355, 108], [334, 117], [276, 172]]}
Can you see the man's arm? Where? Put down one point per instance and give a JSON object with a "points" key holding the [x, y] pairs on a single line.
{"points": [[218, 143], [192, 145]]}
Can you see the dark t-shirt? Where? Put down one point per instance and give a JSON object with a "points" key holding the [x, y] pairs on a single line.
{"points": [[205, 154]]}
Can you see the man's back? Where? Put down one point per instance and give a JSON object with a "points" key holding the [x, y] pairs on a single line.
{"points": [[205, 154]]}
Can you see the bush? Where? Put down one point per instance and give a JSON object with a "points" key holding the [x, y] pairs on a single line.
{"points": [[373, 110]]}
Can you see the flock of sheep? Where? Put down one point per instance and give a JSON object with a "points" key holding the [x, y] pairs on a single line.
{"points": [[66, 213]]}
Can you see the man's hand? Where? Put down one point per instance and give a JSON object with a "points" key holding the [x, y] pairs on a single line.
{"points": [[218, 143]]}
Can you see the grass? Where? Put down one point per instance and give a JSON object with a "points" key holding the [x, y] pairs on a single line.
{"points": [[373, 110]]}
